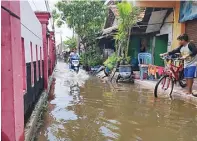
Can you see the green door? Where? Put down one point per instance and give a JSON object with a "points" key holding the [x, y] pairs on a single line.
{"points": [[161, 45]]}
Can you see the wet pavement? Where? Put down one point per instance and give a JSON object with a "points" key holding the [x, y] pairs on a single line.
{"points": [[86, 109]]}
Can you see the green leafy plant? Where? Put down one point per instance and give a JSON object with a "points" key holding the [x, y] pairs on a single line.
{"points": [[92, 57], [127, 59], [84, 16], [127, 18], [87, 19], [111, 61], [71, 43]]}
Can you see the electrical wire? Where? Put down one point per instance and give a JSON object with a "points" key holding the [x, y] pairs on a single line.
{"points": [[16, 16], [31, 31], [10, 12], [35, 5]]}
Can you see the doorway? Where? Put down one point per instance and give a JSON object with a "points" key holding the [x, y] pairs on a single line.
{"points": [[161, 45]]}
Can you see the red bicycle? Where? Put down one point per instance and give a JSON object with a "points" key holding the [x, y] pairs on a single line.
{"points": [[173, 72]]}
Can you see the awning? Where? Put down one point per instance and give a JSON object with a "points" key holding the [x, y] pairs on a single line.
{"points": [[110, 29], [105, 36], [156, 21]]}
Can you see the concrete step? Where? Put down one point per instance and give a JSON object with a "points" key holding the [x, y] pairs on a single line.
{"points": [[178, 92]]}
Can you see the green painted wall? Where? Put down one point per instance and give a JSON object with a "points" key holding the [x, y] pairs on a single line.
{"points": [[133, 50], [134, 46], [161, 44]]}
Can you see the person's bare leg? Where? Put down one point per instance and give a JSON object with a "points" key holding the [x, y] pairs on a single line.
{"points": [[186, 88], [189, 85]]}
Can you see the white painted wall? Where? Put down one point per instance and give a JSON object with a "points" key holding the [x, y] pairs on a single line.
{"points": [[31, 31], [43, 6], [167, 29]]}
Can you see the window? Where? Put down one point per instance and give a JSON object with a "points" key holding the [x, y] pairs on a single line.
{"points": [[41, 62], [23, 66], [37, 71], [32, 65]]}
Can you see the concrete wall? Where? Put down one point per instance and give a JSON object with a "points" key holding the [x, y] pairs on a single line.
{"points": [[31, 31]]}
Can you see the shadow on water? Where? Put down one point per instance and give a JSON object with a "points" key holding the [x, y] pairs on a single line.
{"points": [[85, 109]]}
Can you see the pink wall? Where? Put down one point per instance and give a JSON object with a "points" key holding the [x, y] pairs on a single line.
{"points": [[12, 84], [51, 51], [24, 66], [14, 69]]}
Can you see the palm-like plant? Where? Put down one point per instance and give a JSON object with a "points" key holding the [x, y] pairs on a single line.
{"points": [[127, 18]]}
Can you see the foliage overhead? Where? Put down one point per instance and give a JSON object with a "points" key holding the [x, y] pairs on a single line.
{"points": [[71, 43], [84, 16], [92, 57]]}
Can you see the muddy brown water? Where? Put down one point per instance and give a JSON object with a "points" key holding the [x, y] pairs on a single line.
{"points": [[97, 111]]}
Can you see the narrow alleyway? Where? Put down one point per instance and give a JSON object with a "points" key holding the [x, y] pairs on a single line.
{"points": [[85, 109]]}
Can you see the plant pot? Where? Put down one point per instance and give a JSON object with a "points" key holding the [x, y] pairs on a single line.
{"points": [[125, 71]]}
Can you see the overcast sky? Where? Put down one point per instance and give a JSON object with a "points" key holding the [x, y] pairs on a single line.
{"points": [[39, 5]]}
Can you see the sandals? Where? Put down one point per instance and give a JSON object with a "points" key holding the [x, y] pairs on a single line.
{"points": [[195, 95]]}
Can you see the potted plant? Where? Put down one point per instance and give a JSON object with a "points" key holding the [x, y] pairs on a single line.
{"points": [[127, 18]]}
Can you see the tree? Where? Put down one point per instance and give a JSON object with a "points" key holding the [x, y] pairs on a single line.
{"points": [[71, 43], [84, 16]]}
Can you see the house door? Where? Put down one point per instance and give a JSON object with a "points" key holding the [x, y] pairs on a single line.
{"points": [[161, 45]]}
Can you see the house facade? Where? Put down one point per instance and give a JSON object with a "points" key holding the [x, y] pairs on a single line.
{"points": [[28, 59], [178, 17]]}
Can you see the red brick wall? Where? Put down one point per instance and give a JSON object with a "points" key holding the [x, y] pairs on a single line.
{"points": [[190, 29]]}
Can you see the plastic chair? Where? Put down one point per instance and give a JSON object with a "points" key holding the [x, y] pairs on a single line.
{"points": [[144, 60]]}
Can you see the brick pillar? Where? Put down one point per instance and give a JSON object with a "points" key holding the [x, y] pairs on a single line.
{"points": [[43, 17], [12, 122]]}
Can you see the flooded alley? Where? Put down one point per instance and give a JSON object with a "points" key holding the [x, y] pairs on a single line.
{"points": [[86, 109]]}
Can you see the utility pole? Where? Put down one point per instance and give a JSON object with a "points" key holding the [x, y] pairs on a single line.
{"points": [[61, 42]]}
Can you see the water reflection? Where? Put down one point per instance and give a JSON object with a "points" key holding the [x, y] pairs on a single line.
{"points": [[96, 111]]}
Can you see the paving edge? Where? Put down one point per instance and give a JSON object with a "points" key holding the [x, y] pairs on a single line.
{"points": [[177, 94], [31, 126]]}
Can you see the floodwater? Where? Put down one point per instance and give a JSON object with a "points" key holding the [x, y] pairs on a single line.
{"points": [[86, 109]]}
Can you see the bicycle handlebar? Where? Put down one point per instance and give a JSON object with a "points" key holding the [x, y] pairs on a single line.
{"points": [[169, 57]]}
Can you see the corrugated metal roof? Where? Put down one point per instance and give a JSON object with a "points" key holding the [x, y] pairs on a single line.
{"points": [[156, 21], [110, 29]]}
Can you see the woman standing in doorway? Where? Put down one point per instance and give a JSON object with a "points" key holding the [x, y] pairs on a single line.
{"points": [[143, 46]]}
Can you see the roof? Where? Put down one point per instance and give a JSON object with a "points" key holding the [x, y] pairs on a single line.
{"points": [[110, 29], [114, 9], [156, 21], [151, 22]]}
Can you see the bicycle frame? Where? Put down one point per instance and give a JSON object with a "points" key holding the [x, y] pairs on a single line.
{"points": [[173, 72]]}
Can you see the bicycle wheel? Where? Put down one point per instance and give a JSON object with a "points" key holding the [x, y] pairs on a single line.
{"points": [[182, 81], [164, 86]]}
